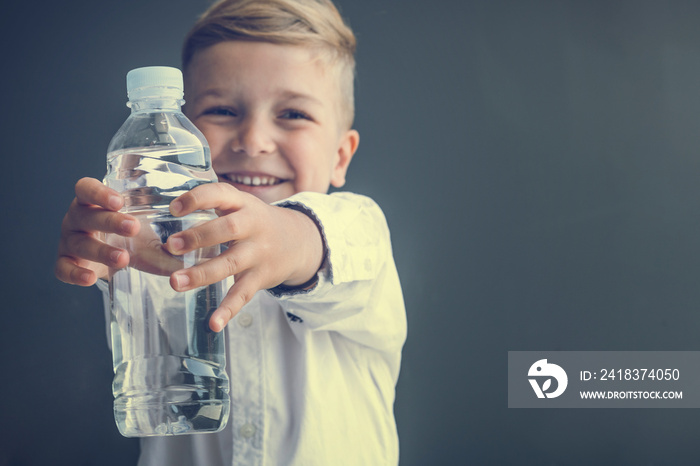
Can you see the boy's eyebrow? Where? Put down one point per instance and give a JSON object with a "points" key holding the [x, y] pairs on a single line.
{"points": [[293, 95], [208, 93], [283, 95]]}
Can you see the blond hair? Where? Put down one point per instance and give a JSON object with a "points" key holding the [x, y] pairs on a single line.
{"points": [[311, 23]]}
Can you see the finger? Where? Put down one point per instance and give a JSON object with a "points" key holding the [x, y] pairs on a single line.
{"points": [[221, 196], [91, 218], [89, 191], [154, 259], [230, 263], [218, 231], [238, 296], [83, 246], [68, 271]]}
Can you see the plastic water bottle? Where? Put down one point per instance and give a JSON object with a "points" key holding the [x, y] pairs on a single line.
{"points": [[169, 366]]}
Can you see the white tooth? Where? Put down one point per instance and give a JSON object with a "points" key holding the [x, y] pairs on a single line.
{"points": [[246, 180], [256, 181], [266, 181]]}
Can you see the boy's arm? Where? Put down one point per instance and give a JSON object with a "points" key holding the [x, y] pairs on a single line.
{"points": [[270, 246], [358, 293], [267, 246]]}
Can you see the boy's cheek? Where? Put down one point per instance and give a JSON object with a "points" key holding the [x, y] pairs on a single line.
{"points": [[216, 149], [209, 134]]}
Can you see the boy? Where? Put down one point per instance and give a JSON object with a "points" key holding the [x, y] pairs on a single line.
{"points": [[318, 316]]}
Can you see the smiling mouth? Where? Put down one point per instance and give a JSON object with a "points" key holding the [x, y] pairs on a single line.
{"points": [[252, 180]]}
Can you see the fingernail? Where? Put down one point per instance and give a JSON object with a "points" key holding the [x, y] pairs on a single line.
{"points": [[114, 202], [85, 278], [176, 207], [128, 225], [218, 324], [114, 256], [182, 280], [176, 244]]}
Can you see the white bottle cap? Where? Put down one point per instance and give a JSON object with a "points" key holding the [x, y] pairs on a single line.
{"points": [[154, 81]]}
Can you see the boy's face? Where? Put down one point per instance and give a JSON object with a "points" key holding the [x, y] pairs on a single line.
{"points": [[271, 116]]}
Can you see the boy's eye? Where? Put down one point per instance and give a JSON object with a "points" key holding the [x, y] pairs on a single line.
{"points": [[223, 111], [292, 114]]}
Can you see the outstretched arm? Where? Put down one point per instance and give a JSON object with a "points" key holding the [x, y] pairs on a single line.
{"points": [[267, 246]]}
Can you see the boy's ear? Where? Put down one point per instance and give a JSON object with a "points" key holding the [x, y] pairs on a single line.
{"points": [[348, 146]]}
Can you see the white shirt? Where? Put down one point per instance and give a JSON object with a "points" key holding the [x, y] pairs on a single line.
{"points": [[313, 373]]}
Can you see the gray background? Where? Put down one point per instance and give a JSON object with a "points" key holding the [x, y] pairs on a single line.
{"points": [[537, 162]]}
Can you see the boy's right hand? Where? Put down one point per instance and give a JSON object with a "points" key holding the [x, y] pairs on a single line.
{"points": [[83, 256]]}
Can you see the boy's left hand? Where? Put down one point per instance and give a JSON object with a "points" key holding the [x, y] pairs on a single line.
{"points": [[267, 246]]}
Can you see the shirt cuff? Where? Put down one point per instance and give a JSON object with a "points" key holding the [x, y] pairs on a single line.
{"points": [[284, 290]]}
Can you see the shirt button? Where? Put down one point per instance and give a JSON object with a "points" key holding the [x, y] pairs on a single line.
{"points": [[245, 319], [247, 430]]}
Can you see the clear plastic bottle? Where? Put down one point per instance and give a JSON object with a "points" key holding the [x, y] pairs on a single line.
{"points": [[169, 366]]}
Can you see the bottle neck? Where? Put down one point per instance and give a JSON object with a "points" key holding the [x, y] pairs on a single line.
{"points": [[152, 104]]}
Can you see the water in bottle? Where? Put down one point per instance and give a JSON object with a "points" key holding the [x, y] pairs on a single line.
{"points": [[169, 366]]}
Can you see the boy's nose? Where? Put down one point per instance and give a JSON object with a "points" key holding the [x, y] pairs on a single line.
{"points": [[252, 138]]}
